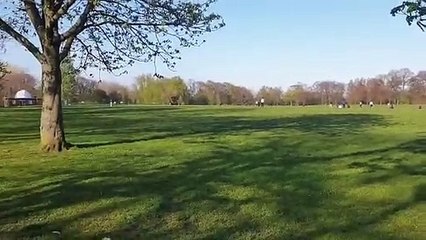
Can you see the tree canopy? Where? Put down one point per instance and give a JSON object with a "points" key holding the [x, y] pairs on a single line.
{"points": [[415, 12], [109, 33]]}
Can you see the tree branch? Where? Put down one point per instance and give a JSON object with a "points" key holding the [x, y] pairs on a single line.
{"points": [[4, 26], [67, 47], [78, 27], [35, 18], [63, 9]]}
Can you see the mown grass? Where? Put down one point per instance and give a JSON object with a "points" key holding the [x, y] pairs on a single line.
{"points": [[216, 173]]}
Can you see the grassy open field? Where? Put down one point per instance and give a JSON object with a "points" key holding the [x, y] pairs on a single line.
{"points": [[217, 173]]}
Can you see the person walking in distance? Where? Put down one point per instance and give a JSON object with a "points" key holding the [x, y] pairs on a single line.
{"points": [[262, 102]]}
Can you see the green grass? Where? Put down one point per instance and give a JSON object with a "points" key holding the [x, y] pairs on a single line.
{"points": [[217, 173]]}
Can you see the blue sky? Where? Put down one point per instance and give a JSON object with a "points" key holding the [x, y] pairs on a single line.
{"points": [[282, 42]]}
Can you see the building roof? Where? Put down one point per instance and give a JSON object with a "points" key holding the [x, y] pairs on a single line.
{"points": [[23, 94]]}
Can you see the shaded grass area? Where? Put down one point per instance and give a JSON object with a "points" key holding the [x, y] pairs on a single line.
{"points": [[216, 173]]}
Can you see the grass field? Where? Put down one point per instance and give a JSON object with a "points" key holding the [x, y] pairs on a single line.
{"points": [[217, 173]]}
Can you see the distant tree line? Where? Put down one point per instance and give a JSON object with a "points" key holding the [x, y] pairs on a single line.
{"points": [[151, 90], [398, 86], [215, 93]]}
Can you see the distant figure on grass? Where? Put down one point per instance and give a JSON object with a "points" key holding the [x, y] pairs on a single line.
{"points": [[262, 102], [361, 104], [174, 100], [371, 104], [257, 103]]}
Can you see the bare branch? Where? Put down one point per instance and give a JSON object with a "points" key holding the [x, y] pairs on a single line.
{"points": [[66, 48], [21, 39], [34, 16], [63, 9], [78, 27]]}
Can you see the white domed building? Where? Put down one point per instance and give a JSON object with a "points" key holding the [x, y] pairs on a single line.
{"points": [[23, 94], [21, 98]]}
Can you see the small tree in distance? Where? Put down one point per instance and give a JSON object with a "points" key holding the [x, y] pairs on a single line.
{"points": [[3, 69], [69, 79], [107, 34]]}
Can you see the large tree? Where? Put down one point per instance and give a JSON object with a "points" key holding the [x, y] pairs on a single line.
{"points": [[161, 91], [414, 10], [107, 34], [296, 94], [272, 95], [330, 91], [357, 91], [377, 91], [417, 89], [397, 81]]}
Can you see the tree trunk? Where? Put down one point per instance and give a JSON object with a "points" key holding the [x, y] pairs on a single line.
{"points": [[52, 134]]}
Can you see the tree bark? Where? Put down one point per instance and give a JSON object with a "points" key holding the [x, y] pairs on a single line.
{"points": [[52, 135]]}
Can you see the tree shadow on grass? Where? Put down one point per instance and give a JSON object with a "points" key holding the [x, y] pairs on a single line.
{"points": [[133, 124], [231, 193], [19, 124], [185, 191], [126, 110], [23, 124], [331, 125], [271, 190], [382, 165], [416, 146], [254, 191]]}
